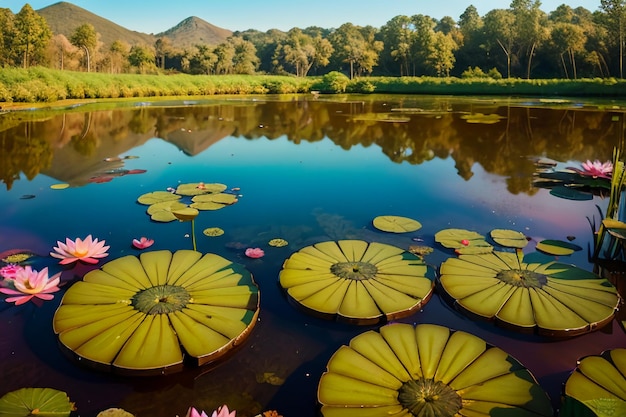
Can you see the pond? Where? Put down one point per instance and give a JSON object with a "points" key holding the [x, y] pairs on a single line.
{"points": [[305, 169]]}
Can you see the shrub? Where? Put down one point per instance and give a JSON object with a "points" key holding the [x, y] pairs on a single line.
{"points": [[360, 86], [334, 82]]}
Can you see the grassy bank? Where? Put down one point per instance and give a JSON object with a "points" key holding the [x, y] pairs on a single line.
{"points": [[42, 85]]}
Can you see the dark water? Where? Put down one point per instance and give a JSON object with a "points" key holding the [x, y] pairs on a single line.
{"points": [[308, 170]]}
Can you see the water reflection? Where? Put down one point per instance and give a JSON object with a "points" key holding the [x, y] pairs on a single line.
{"points": [[411, 130]]}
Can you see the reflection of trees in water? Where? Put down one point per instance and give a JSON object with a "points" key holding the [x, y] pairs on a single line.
{"points": [[406, 129]]}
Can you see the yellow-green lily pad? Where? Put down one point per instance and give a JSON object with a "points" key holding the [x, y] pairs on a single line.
{"points": [[597, 387], [150, 314], [61, 186], [557, 247], [487, 119], [157, 197], [199, 188], [213, 231], [213, 201], [396, 224], [509, 238], [427, 370], [163, 211], [460, 238], [27, 402], [278, 243], [356, 282], [185, 214]]}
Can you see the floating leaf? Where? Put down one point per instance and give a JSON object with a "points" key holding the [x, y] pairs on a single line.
{"points": [[61, 186], [570, 193], [198, 188], [163, 212], [356, 281], [475, 249], [552, 298], [509, 238], [185, 214], [157, 197], [487, 119], [427, 370], [597, 386], [557, 247], [27, 402], [213, 201], [278, 243], [396, 224], [213, 231], [149, 314], [459, 238]]}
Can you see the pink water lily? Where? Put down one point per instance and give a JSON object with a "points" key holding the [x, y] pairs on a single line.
{"points": [[87, 250], [143, 242], [10, 271], [29, 283], [223, 412], [596, 169], [255, 253], [192, 412]]}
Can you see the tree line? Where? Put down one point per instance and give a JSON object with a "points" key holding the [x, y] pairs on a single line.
{"points": [[520, 41]]}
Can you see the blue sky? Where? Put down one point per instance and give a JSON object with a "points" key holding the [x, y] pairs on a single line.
{"points": [[159, 15]]}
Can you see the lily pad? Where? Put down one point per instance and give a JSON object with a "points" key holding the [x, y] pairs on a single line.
{"points": [[570, 193], [185, 214], [460, 238], [551, 298], [509, 238], [396, 224], [487, 119], [157, 197], [152, 313], [356, 281], [60, 186], [198, 188], [26, 402], [427, 370], [213, 201], [213, 231], [163, 212], [597, 387], [557, 247], [278, 243]]}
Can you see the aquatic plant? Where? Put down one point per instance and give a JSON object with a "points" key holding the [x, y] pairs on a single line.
{"points": [[254, 253], [88, 250], [146, 314], [27, 402], [426, 370], [29, 283], [9, 271], [356, 281], [143, 242]]}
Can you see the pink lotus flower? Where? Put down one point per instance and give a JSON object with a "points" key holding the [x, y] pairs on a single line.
{"points": [[10, 271], [143, 242], [596, 169], [223, 412], [254, 253], [29, 283], [88, 250], [192, 412]]}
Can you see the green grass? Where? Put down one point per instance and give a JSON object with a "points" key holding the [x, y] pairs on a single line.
{"points": [[42, 85]]}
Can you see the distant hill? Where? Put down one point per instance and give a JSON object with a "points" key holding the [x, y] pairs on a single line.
{"points": [[64, 18], [194, 30]]}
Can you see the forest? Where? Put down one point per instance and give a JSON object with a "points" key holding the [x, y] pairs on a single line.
{"points": [[521, 41]]}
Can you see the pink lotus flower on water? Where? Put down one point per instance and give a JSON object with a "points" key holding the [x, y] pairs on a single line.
{"points": [[254, 253], [88, 250], [10, 271], [143, 242], [223, 412], [29, 283], [596, 169], [192, 412]]}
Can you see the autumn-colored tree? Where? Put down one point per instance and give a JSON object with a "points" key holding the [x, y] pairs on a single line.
{"points": [[86, 38], [30, 37]]}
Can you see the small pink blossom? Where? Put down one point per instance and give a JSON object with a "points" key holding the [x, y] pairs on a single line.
{"points": [[143, 242], [9, 271], [29, 283], [255, 253], [192, 412], [595, 169], [465, 242], [223, 412], [87, 250]]}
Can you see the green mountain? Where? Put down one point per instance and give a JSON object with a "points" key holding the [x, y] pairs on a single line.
{"points": [[64, 18]]}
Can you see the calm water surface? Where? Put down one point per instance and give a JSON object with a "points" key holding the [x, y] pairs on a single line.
{"points": [[308, 170]]}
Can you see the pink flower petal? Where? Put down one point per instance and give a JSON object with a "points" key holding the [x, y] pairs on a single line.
{"points": [[254, 253]]}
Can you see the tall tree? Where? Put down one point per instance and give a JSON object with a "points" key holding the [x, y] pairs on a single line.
{"points": [[86, 38], [397, 35], [162, 50], [245, 60], [569, 39], [441, 55], [500, 28], [530, 25], [423, 41], [6, 36], [471, 46], [616, 16], [142, 57], [30, 36]]}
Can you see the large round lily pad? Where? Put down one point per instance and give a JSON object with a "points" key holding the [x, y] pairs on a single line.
{"points": [[427, 370], [356, 281], [147, 314], [597, 387], [28, 402], [396, 224], [553, 298]]}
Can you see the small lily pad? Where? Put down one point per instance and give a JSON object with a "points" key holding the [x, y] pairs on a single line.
{"points": [[213, 231], [509, 238], [199, 188], [27, 402], [570, 193], [487, 119], [163, 212], [61, 186], [396, 224], [278, 243], [185, 214], [557, 247], [157, 197], [459, 238], [213, 201]]}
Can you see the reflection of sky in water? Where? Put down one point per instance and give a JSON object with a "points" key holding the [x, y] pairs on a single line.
{"points": [[304, 193]]}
